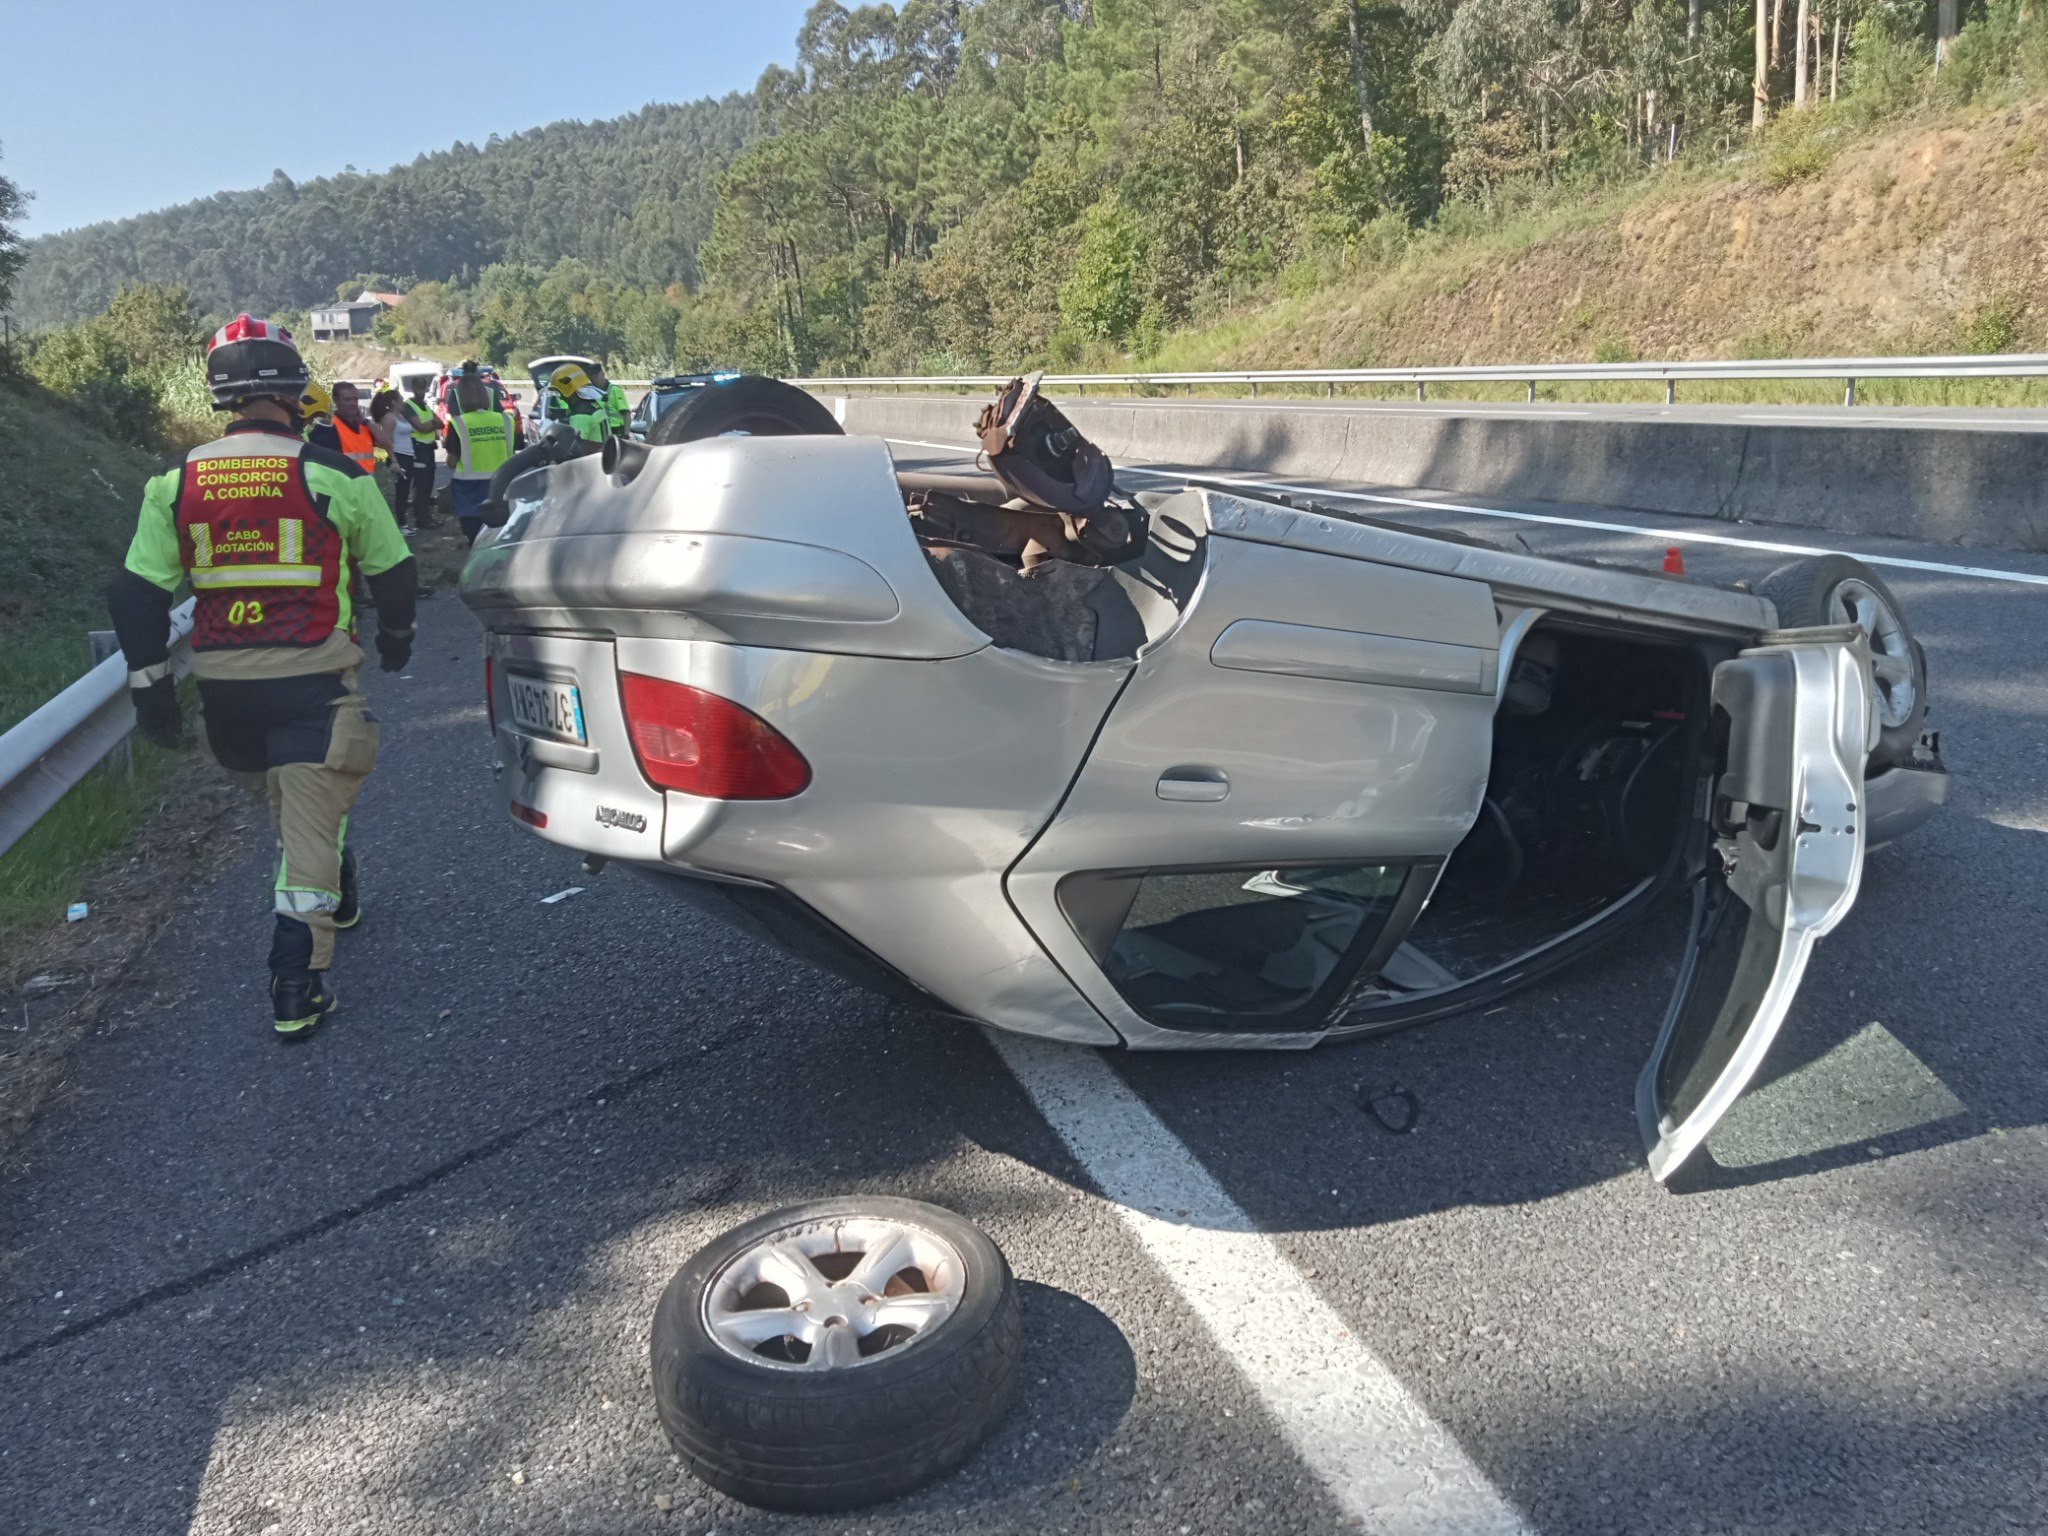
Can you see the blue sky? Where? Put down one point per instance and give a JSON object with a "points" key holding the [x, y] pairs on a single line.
{"points": [[118, 106]]}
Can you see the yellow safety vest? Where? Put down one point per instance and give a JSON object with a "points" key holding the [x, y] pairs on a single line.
{"points": [[486, 441]]}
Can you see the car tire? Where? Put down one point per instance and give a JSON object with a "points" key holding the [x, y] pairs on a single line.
{"points": [[749, 405], [753, 1416], [1836, 589]]}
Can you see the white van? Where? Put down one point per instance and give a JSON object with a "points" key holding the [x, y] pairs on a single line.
{"points": [[402, 374]]}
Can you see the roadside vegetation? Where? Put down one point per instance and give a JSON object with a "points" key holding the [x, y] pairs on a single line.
{"points": [[991, 184], [68, 494], [88, 412], [85, 414]]}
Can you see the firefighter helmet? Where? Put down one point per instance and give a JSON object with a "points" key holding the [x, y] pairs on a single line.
{"points": [[569, 381], [251, 359], [315, 402]]}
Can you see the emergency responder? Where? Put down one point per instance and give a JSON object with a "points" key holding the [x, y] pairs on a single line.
{"points": [[616, 411], [316, 410], [582, 402], [412, 478], [352, 432], [479, 440], [263, 525]]}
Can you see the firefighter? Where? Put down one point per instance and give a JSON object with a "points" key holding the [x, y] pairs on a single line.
{"points": [[316, 413], [479, 440], [617, 412], [583, 403], [263, 525]]}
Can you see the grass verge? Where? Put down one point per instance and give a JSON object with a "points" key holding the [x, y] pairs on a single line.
{"points": [[45, 872], [68, 495]]}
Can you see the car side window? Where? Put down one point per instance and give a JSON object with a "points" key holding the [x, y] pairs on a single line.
{"points": [[1275, 948]]}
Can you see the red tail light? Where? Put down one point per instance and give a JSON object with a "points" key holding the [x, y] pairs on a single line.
{"points": [[696, 742], [490, 695]]}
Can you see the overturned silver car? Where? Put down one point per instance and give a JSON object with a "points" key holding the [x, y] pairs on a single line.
{"points": [[1265, 775]]}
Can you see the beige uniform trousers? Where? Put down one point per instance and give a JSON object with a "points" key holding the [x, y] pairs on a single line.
{"points": [[310, 803]]}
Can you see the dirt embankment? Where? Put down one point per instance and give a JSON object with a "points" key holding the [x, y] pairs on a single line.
{"points": [[1929, 240], [362, 358]]}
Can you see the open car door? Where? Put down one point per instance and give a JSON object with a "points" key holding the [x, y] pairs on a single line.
{"points": [[1787, 819]]}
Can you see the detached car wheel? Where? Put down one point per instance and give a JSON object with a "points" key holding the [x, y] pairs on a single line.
{"points": [[1835, 589], [750, 406], [836, 1353]]}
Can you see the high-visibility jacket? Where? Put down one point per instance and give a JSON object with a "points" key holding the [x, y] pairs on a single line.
{"points": [[421, 418], [262, 525], [483, 441], [357, 443], [616, 408], [590, 420]]}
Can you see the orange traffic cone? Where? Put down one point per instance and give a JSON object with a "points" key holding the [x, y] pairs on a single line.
{"points": [[1674, 560]]}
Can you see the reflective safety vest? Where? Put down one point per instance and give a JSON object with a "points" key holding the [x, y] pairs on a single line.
{"points": [[357, 443], [421, 417], [616, 408], [264, 561], [485, 438], [591, 421]]}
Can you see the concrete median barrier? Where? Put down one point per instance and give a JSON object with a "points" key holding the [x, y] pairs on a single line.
{"points": [[1949, 484]]}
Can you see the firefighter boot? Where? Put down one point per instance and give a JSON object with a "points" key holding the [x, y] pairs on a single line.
{"points": [[299, 999], [350, 912], [299, 995]]}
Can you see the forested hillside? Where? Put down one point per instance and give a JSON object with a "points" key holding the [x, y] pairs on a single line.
{"points": [[982, 184], [632, 197]]}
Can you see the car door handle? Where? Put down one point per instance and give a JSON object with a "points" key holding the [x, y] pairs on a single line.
{"points": [[1192, 782]]}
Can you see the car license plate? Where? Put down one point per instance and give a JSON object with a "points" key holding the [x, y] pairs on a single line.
{"points": [[546, 708]]}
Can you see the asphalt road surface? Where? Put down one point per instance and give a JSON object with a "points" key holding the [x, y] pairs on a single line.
{"points": [[398, 1278]]}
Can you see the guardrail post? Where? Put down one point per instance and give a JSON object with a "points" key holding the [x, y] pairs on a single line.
{"points": [[1670, 390], [1421, 391], [1849, 392], [1255, 389], [105, 643], [1532, 391], [1329, 389]]}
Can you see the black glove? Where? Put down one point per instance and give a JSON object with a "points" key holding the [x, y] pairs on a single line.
{"points": [[394, 650], [156, 712]]}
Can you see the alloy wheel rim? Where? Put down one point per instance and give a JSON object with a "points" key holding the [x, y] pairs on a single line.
{"points": [[1891, 651], [833, 1294]]}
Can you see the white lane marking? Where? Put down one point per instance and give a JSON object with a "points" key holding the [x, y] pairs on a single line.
{"points": [[1383, 1458], [549, 901], [1664, 535]]}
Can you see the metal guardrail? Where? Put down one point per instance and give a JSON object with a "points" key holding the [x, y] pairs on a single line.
{"points": [[45, 755], [1997, 365]]}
